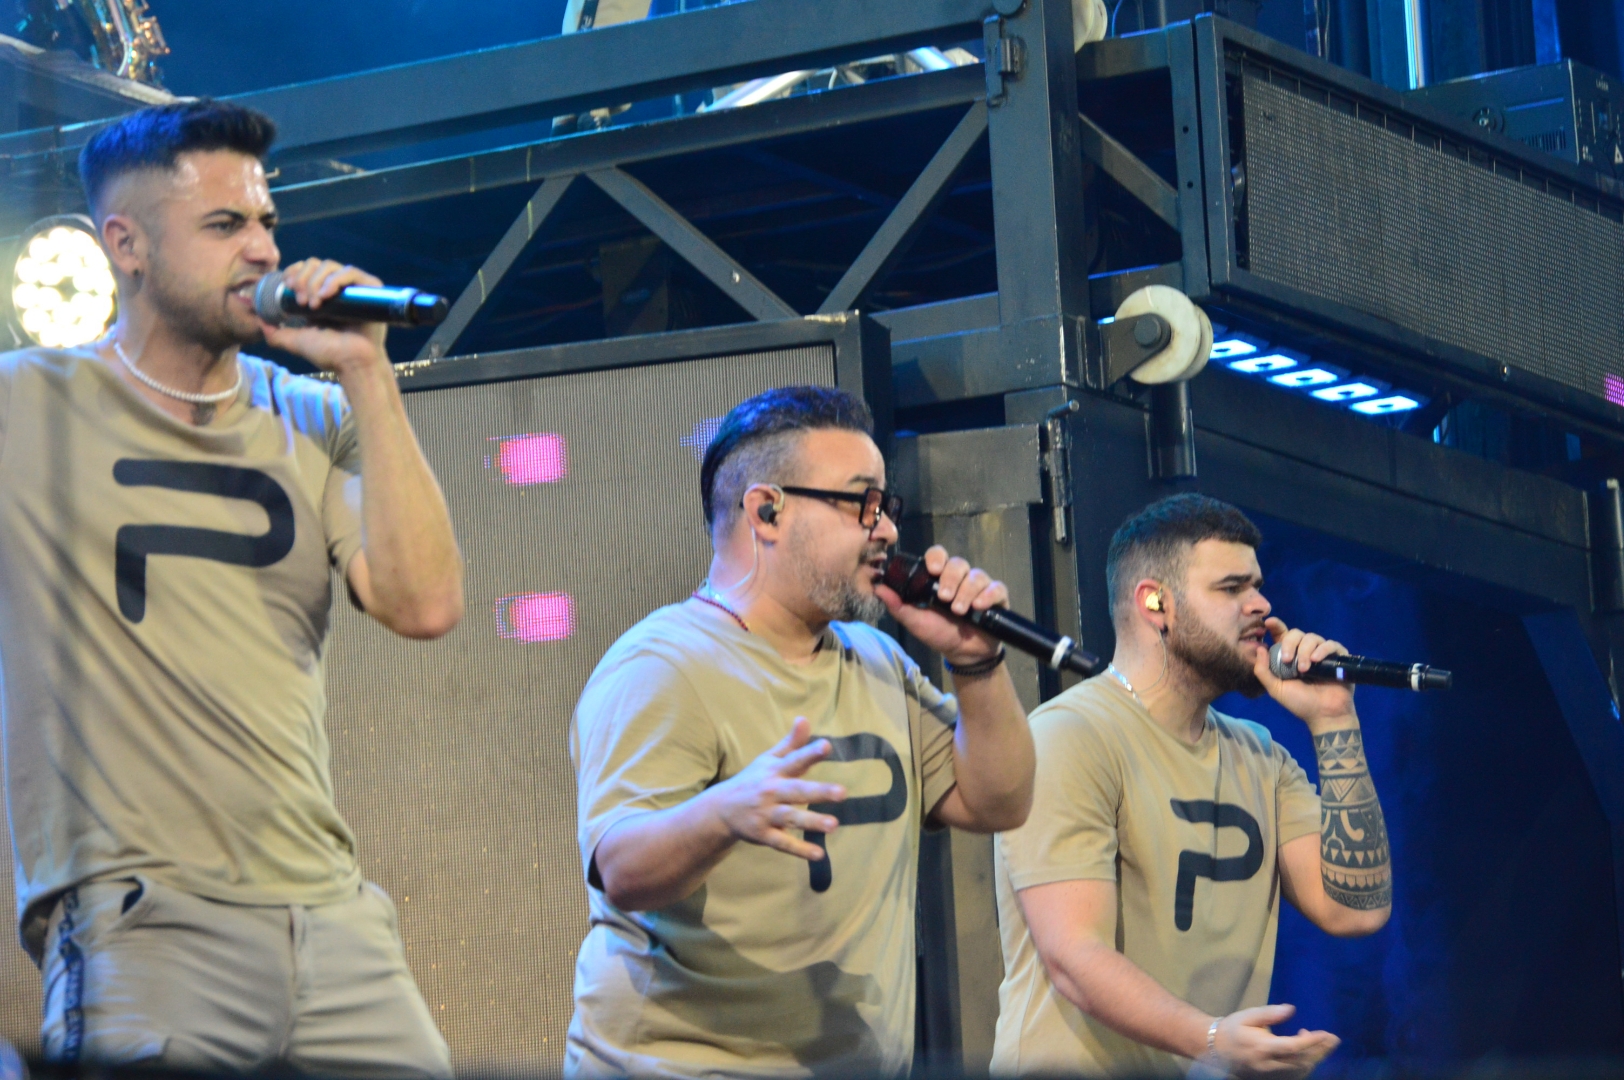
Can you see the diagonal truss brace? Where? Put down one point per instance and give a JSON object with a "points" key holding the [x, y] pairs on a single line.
{"points": [[1121, 165], [507, 252], [700, 251], [902, 225]]}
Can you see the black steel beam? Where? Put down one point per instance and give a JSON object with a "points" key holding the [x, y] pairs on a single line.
{"points": [[701, 252], [628, 62], [1120, 164], [1129, 55], [943, 317], [489, 276], [900, 227], [531, 163]]}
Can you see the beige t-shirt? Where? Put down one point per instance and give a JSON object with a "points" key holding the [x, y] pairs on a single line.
{"points": [[1188, 833], [776, 966], [164, 601]]}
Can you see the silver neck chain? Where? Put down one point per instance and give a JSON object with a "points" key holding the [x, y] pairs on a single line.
{"points": [[1111, 670], [179, 395]]}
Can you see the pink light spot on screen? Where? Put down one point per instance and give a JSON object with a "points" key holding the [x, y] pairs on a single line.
{"points": [[536, 617], [532, 459], [1613, 389]]}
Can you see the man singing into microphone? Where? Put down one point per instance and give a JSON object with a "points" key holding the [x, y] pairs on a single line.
{"points": [[1138, 905], [756, 764], [171, 514]]}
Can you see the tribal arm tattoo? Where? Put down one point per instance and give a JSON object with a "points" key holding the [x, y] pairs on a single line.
{"points": [[1354, 861]]}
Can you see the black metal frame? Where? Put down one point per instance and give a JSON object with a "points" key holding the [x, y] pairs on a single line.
{"points": [[861, 347]]}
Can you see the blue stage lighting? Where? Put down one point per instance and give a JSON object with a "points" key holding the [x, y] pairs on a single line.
{"points": [[1304, 378], [1353, 391], [1383, 406], [1260, 365], [1234, 347]]}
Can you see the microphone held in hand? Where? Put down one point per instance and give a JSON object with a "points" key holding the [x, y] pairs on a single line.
{"points": [[907, 577], [274, 302], [1362, 669]]}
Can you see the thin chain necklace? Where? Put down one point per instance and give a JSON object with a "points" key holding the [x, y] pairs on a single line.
{"points": [[1111, 670], [718, 605], [179, 395]]}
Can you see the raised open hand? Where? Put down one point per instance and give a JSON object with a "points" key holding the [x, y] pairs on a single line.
{"points": [[767, 799]]}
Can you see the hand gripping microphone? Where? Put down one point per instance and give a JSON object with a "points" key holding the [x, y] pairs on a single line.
{"points": [[274, 302], [908, 578], [1362, 669]]}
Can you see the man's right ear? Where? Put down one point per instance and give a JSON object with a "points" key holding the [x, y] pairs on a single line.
{"points": [[124, 243], [1153, 599], [767, 510]]}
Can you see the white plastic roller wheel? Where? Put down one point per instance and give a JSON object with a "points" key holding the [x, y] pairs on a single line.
{"points": [[1191, 344]]}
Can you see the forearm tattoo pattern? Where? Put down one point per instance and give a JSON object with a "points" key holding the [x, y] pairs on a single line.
{"points": [[1354, 861]]}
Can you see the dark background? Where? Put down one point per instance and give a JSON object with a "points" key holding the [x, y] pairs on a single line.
{"points": [[1504, 937]]}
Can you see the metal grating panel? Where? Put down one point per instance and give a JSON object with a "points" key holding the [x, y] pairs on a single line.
{"points": [[19, 979], [1344, 209], [451, 760]]}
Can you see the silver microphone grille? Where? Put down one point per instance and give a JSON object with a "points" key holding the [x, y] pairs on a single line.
{"points": [[268, 298], [1280, 669]]}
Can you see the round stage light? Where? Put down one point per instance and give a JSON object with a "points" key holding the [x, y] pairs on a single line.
{"points": [[62, 287]]}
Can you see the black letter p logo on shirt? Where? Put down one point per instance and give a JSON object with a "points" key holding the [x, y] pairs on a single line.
{"points": [[1194, 864], [865, 810], [135, 542]]}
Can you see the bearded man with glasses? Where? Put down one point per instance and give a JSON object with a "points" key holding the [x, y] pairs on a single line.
{"points": [[755, 766]]}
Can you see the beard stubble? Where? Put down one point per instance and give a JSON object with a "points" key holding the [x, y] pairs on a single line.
{"points": [[1216, 662], [836, 594]]}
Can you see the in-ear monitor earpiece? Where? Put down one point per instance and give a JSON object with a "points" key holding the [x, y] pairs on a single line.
{"points": [[769, 511], [1153, 602]]}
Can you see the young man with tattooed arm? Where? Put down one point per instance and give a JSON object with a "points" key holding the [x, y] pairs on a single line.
{"points": [[1138, 904]]}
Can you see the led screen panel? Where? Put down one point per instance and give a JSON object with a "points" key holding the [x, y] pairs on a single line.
{"points": [[1354, 205]]}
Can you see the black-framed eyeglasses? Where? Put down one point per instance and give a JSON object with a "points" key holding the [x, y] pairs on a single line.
{"points": [[874, 502]]}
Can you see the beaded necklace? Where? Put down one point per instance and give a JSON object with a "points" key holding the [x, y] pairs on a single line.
{"points": [[719, 606]]}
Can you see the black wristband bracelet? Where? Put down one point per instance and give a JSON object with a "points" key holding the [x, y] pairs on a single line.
{"points": [[980, 667]]}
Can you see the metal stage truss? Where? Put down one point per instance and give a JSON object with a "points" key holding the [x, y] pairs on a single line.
{"points": [[990, 216]]}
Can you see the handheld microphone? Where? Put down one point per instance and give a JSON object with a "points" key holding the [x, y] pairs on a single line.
{"points": [[274, 302], [907, 577], [1362, 669]]}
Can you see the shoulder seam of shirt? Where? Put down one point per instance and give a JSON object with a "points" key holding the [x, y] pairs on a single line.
{"points": [[641, 650]]}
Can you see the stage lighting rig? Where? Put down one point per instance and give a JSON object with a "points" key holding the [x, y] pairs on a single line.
{"points": [[118, 36], [62, 287]]}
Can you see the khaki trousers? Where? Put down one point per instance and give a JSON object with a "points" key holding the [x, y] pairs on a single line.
{"points": [[139, 972]]}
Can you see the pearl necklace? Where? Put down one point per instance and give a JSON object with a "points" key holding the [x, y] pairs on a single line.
{"points": [[179, 395]]}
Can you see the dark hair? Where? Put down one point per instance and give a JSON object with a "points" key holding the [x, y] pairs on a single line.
{"points": [[1156, 542], [155, 138], [754, 443]]}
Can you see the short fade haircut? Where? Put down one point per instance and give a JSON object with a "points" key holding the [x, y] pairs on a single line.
{"points": [[755, 443], [155, 139], [1156, 542]]}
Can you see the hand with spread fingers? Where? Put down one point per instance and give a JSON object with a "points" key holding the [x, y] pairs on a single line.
{"points": [[964, 587], [1246, 1047], [1317, 704], [768, 800], [331, 348]]}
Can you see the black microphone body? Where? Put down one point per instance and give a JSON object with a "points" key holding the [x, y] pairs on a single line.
{"points": [[274, 302], [908, 578], [1364, 670]]}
